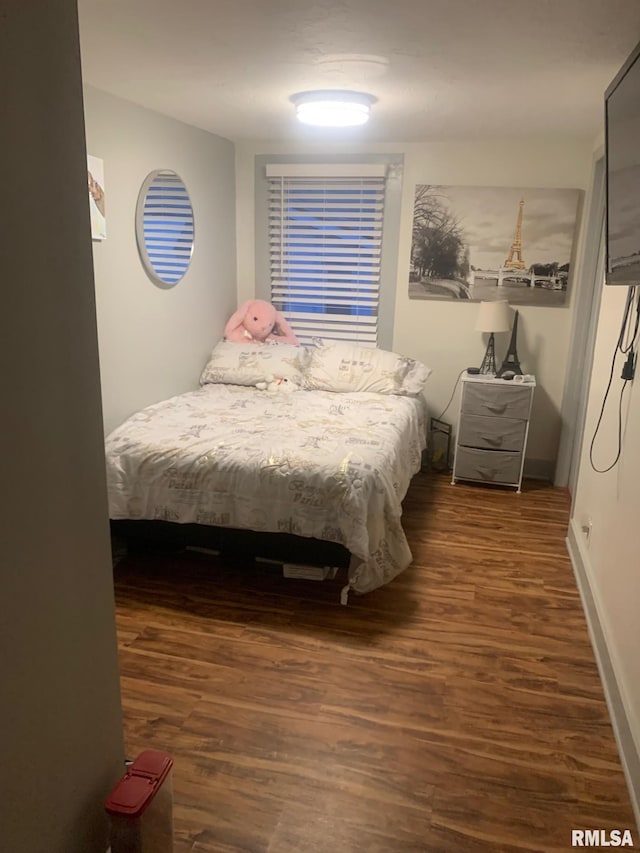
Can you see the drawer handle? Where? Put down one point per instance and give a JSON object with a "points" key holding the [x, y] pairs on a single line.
{"points": [[497, 409], [492, 439]]}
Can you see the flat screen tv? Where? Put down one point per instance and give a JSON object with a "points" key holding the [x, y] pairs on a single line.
{"points": [[622, 150]]}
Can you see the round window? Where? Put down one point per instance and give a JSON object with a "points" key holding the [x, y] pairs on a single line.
{"points": [[164, 227]]}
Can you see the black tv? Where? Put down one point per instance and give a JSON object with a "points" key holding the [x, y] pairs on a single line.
{"points": [[622, 151]]}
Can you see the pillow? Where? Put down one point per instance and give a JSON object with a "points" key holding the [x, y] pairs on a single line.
{"points": [[233, 363], [335, 366]]}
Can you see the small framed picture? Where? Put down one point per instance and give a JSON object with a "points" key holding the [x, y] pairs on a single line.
{"points": [[95, 178]]}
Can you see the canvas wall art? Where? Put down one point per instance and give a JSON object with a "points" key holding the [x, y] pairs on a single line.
{"points": [[486, 243], [97, 199]]}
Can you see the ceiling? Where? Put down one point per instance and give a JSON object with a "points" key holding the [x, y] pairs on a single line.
{"points": [[441, 69]]}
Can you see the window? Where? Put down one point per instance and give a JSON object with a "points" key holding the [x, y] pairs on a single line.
{"points": [[325, 233]]}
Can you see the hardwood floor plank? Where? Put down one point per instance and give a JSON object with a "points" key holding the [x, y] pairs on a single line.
{"points": [[457, 709], [339, 822]]}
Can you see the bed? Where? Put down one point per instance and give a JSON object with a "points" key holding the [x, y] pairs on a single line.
{"points": [[318, 464]]}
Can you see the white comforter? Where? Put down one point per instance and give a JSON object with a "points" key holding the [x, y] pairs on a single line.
{"points": [[331, 466]]}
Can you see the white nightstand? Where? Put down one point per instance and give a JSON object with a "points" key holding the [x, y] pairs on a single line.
{"points": [[493, 427]]}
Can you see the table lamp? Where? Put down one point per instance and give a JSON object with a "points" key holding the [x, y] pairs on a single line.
{"points": [[492, 317]]}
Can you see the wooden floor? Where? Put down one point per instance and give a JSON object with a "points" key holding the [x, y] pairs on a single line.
{"points": [[457, 709]]}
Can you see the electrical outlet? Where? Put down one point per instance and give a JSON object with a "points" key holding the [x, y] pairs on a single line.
{"points": [[586, 527]]}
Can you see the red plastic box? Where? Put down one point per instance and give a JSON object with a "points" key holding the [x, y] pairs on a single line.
{"points": [[141, 806]]}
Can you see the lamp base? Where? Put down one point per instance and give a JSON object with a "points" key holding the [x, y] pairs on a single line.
{"points": [[488, 365]]}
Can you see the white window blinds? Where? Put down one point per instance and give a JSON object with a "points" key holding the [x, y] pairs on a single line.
{"points": [[325, 239]]}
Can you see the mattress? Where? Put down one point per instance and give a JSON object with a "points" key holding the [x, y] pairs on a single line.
{"points": [[312, 463]]}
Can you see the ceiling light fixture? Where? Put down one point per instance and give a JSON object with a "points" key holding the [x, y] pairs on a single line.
{"points": [[333, 107]]}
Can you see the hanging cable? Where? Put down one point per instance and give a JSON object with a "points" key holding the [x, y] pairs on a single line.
{"points": [[625, 345], [444, 411]]}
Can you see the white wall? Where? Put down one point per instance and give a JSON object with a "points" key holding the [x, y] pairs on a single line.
{"points": [[154, 341], [441, 333], [611, 502], [60, 717]]}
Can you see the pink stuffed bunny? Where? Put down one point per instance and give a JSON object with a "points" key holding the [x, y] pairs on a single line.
{"points": [[258, 321]]}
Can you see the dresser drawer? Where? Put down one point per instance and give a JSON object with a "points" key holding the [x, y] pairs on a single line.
{"points": [[489, 466], [492, 433], [498, 401]]}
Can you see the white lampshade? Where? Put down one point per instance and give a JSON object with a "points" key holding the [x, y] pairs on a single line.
{"points": [[333, 107], [494, 317]]}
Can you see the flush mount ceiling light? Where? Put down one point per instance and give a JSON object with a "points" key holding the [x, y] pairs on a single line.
{"points": [[333, 107]]}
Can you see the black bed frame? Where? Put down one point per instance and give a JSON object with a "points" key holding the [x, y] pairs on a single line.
{"points": [[161, 536]]}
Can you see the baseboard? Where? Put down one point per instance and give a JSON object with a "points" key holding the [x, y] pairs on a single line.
{"points": [[629, 754]]}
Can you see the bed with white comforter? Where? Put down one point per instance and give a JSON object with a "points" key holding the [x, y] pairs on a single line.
{"points": [[312, 463]]}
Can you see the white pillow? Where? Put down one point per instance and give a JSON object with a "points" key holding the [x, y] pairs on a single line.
{"points": [[342, 367], [233, 363]]}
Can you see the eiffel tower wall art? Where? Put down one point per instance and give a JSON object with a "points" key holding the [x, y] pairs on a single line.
{"points": [[482, 243]]}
